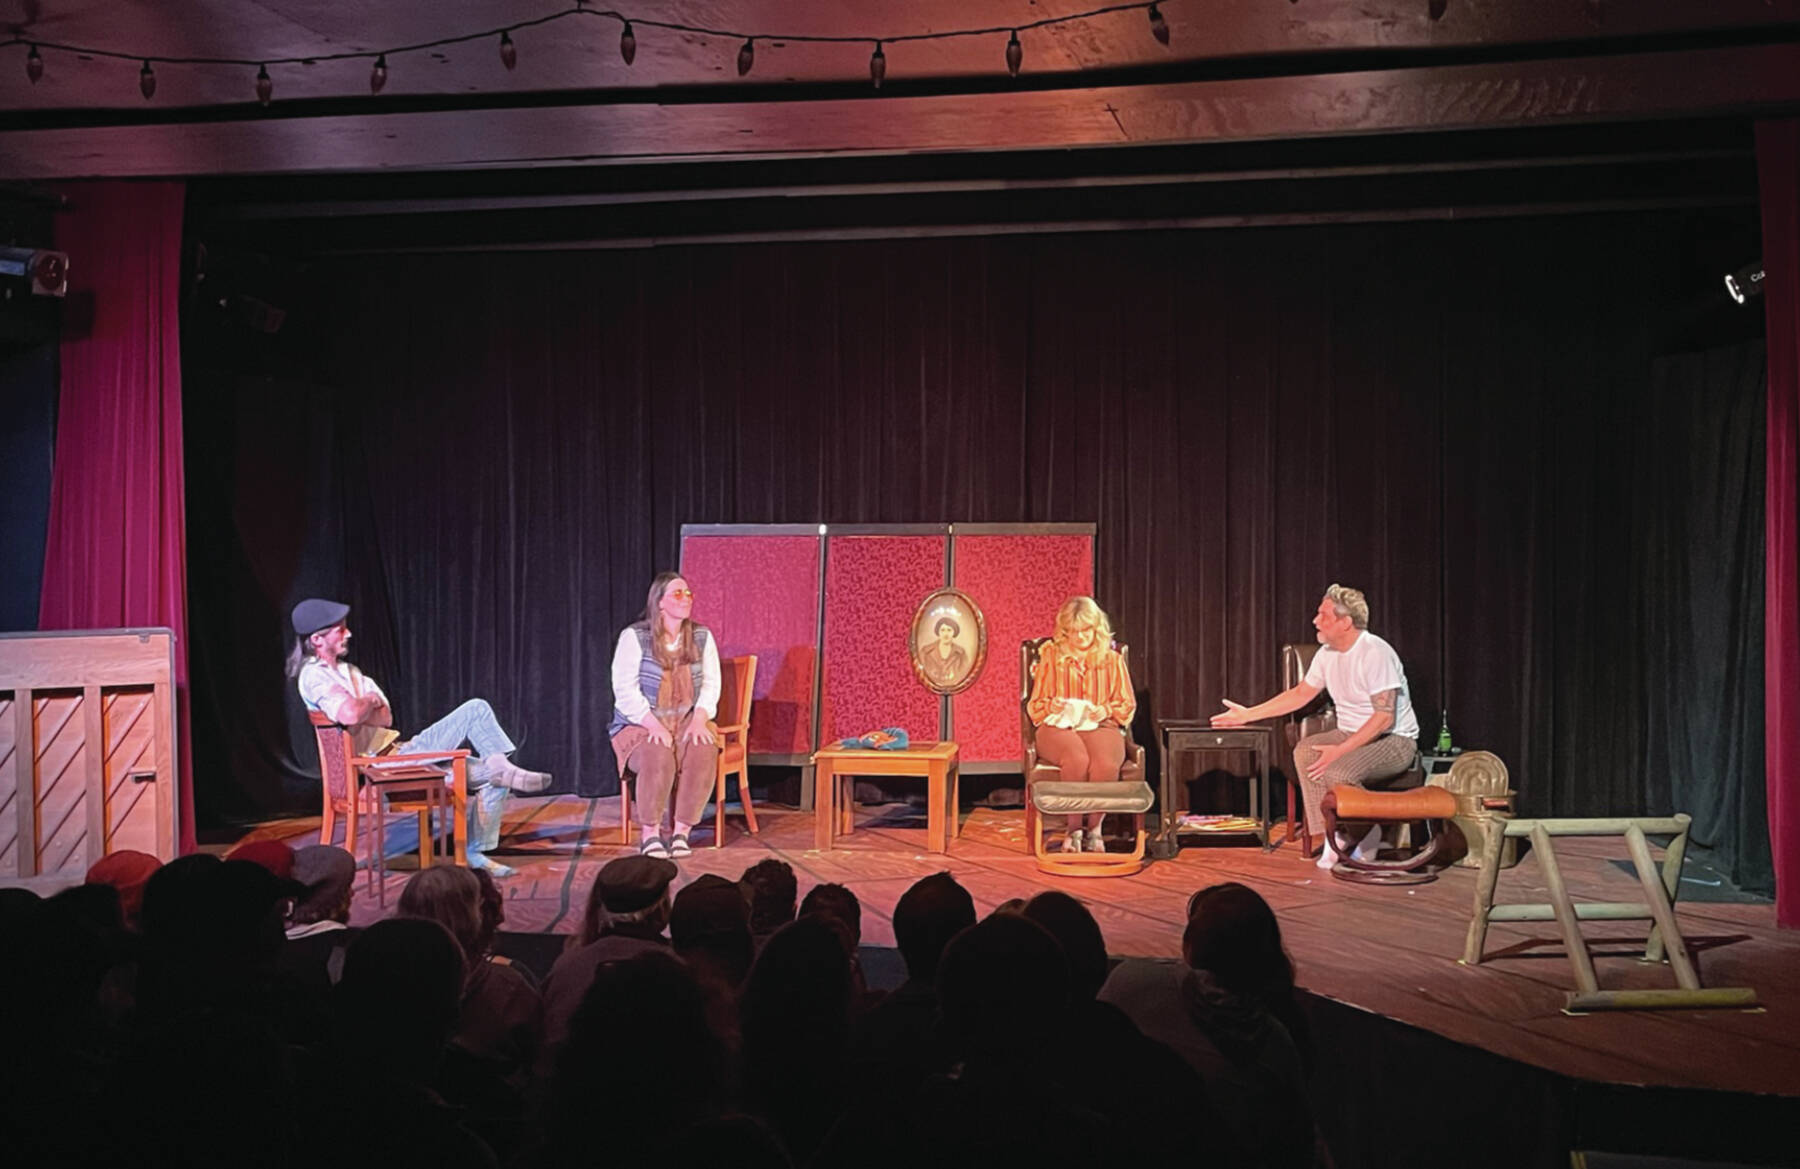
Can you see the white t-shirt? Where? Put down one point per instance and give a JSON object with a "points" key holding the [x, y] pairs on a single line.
{"points": [[1353, 678], [326, 688]]}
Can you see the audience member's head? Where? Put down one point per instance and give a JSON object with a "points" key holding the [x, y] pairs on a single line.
{"points": [[640, 1035], [926, 917], [273, 855], [171, 906], [838, 907], [770, 888], [709, 926], [1233, 935], [451, 896], [799, 985], [329, 873], [128, 871], [1076, 931], [630, 896], [493, 908], [1011, 905], [401, 992], [1000, 982]]}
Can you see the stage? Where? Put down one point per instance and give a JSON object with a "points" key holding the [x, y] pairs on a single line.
{"points": [[1389, 952]]}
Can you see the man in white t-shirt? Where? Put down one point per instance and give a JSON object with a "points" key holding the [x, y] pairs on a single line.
{"points": [[1377, 732], [352, 699]]}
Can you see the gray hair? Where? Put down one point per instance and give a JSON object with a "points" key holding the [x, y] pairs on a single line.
{"points": [[1349, 603]]}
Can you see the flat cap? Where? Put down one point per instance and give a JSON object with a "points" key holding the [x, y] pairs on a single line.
{"points": [[631, 883], [316, 613]]}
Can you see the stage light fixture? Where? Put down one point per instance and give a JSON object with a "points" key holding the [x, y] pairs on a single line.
{"points": [[1746, 282]]}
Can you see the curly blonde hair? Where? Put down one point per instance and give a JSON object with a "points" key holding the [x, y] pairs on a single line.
{"points": [[1349, 603], [1083, 611]]}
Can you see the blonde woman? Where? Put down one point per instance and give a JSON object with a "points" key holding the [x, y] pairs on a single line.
{"points": [[1081, 701]]}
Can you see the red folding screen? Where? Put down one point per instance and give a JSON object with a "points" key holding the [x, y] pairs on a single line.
{"points": [[873, 586], [1018, 578], [757, 588], [833, 658]]}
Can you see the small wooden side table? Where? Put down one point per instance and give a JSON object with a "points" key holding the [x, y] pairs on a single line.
{"points": [[834, 804], [1180, 738]]}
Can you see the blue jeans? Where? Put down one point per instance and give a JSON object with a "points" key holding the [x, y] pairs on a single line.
{"points": [[473, 723]]}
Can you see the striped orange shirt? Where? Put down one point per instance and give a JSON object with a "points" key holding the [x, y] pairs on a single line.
{"points": [[1062, 674]]}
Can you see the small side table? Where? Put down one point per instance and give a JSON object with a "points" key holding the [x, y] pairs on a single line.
{"points": [[1179, 738], [834, 804]]}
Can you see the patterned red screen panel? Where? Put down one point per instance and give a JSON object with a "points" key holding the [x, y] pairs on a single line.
{"points": [[873, 586], [759, 594], [1017, 581]]}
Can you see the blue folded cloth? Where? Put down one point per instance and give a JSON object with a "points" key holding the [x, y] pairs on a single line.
{"points": [[885, 739]]}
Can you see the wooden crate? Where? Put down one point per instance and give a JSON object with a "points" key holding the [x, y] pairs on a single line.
{"points": [[87, 750]]}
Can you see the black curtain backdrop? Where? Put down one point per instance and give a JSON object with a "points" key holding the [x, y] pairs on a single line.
{"points": [[1558, 522]]}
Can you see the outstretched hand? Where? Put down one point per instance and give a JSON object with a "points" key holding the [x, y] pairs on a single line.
{"points": [[697, 731], [1233, 715]]}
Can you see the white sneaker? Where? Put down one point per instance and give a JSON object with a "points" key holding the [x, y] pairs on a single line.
{"points": [[1072, 842], [1370, 847], [1329, 858]]}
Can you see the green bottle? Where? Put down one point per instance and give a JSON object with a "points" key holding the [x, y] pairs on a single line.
{"points": [[1443, 743]]}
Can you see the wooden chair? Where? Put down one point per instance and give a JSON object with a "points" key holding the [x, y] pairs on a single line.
{"points": [[1129, 796], [737, 686], [355, 786], [737, 691]]}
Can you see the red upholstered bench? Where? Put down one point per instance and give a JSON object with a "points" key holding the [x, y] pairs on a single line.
{"points": [[1430, 806]]}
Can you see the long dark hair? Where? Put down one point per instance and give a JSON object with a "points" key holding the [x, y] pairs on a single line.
{"points": [[685, 650]]}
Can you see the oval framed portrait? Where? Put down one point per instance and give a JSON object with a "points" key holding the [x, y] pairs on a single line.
{"points": [[947, 642]]}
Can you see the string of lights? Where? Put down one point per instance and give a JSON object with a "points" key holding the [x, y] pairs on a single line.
{"points": [[628, 26]]}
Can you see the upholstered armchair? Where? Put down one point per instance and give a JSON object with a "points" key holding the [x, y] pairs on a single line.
{"points": [[1046, 793]]}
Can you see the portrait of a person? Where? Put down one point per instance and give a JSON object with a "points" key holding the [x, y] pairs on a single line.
{"points": [[942, 661]]}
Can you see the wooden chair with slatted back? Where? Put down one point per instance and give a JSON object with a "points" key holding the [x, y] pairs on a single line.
{"points": [[344, 777], [737, 690]]}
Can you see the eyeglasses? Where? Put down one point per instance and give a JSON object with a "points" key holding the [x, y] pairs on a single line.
{"points": [[682, 594]]}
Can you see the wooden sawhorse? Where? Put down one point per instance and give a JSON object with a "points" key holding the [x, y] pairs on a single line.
{"points": [[1658, 906]]}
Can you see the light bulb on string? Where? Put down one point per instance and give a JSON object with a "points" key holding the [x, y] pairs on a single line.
{"points": [[877, 65], [509, 52], [1435, 8], [34, 65], [378, 74], [1159, 28], [1015, 54], [746, 56], [147, 81], [265, 88], [627, 43]]}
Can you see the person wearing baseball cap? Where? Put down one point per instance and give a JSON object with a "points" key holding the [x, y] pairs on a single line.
{"points": [[354, 700]]}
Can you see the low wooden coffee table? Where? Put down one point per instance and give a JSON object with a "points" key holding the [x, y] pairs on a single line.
{"points": [[834, 804]]}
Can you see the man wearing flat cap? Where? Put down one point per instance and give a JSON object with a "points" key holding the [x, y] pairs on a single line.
{"points": [[627, 911], [352, 699]]}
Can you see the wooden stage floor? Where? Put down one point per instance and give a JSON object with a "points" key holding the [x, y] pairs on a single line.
{"points": [[1389, 951]]}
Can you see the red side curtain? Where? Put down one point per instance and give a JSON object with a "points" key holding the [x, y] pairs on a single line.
{"points": [[116, 554], [1778, 161]]}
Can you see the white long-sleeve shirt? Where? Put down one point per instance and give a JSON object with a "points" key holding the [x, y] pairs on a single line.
{"points": [[628, 659]]}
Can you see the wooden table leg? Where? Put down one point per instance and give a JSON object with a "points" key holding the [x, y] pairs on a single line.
{"points": [[955, 808], [459, 809], [824, 806], [936, 782]]}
